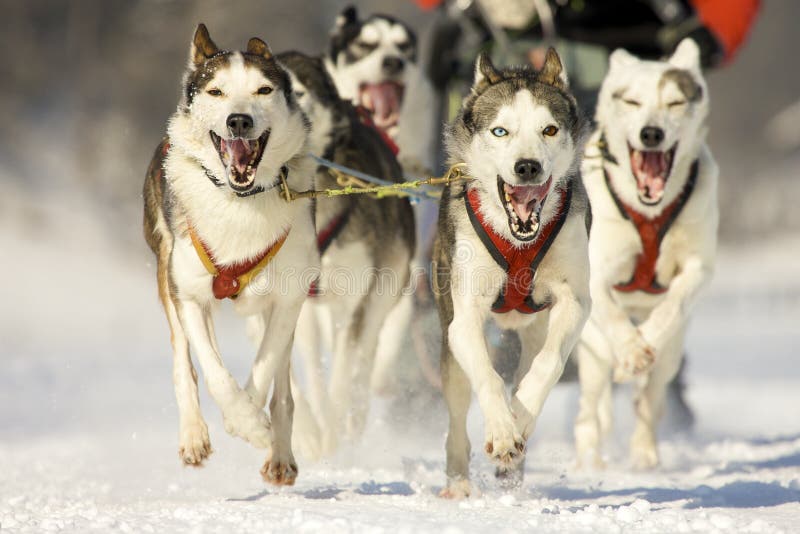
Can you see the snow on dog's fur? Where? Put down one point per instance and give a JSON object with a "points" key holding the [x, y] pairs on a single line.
{"points": [[237, 128], [374, 63], [647, 166], [520, 135]]}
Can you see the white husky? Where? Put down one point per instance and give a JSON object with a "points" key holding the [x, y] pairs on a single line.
{"points": [[652, 184], [220, 229]]}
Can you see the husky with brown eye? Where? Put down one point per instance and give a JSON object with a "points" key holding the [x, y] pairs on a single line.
{"points": [[512, 249], [221, 231], [652, 183]]}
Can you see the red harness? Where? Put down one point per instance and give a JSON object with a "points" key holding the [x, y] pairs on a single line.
{"points": [[325, 238], [651, 233], [520, 264], [366, 118]]}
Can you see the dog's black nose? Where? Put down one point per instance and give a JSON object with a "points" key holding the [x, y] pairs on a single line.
{"points": [[527, 169], [651, 136], [239, 124], [393, 64]]}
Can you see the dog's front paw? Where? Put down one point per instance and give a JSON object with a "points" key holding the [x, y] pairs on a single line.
{"points": [[504, 445], [244, 419], [279, 472], [457, 489], [634, 356], [195, 445]]}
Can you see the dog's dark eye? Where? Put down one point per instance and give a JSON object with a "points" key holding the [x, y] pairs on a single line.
{"points": [[365, 46], [499, 132], [550, 131], [633, 103], [676, 103], [214, 92], [299, 94], [265, 90]]}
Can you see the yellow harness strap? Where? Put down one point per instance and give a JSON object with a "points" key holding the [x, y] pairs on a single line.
{"points": [[230, 281]]}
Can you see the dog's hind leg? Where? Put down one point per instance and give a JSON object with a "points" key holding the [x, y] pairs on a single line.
{"points": [[353, 366], [457, 394], [281, 468], [242, 416], [313, 319], [594, 373], [194, 444], [393, 335]]}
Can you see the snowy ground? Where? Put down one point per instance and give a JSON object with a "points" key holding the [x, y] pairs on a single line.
{"points": [[88, 423]]}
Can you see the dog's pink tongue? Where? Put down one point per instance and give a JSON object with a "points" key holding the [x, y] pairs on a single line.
{"points": [[650, 169], [240, 152], [385, 99], [523, 197]]}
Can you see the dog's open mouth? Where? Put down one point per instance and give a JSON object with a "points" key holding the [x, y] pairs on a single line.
{"points": [[651, 169], [523, 204], [383, 101], [240, 157]]}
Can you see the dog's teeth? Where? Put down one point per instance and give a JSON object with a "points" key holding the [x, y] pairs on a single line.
{"points": [[508, 197]]}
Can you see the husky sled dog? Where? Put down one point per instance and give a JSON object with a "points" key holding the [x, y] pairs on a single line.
{"points": [[374, 65], [512, 246], [652, 183], [219, 228], [366, 246]]}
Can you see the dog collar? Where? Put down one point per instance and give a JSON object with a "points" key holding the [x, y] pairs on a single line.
{"points": [[250, 192], [229, 280], [219, 183], [520, 264], [651, 232]]}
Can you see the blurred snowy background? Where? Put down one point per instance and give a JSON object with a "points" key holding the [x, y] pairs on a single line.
{"points": [[88, 424]]}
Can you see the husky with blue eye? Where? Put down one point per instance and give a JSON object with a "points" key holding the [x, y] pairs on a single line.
{"points": [[652, 183], [511, 248], [220, 229]]}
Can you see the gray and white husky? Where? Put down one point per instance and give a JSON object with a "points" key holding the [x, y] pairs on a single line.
{"points": [[366, 245], [216, 221], [512, 247], [375, 65], [652, 183]]}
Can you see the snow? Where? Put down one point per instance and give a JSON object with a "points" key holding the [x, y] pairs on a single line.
{"points": [[88, 423]]}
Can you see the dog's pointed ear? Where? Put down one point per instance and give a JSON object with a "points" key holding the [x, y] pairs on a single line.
{"points": [[258, 47], [485, 71], [349, 15], [202, 46], [686, 55], [620, 58], [553, 71]]}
